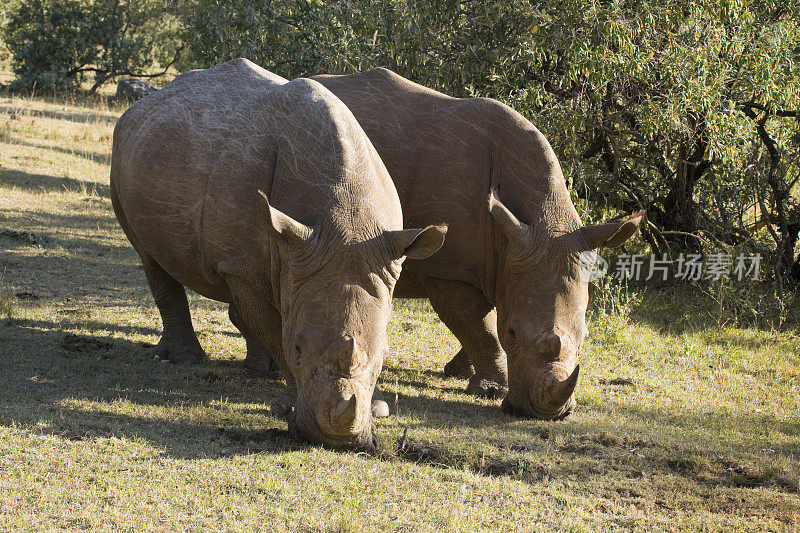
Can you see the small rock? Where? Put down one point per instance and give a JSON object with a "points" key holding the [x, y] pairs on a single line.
{"points": [[132, 89], [380, 409]]}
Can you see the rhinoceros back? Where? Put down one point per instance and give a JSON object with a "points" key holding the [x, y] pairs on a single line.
{"points": [[188, 160]]}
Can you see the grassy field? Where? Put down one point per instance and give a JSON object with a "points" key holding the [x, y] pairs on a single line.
{"points": [[682, 424]]}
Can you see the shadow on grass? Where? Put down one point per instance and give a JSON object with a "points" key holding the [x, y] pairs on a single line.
{"points": [[679, 308], [390, 374], [59, 383], [70, 322], [46, 182], [103, 159], [80, 224], [84, 387], [586, 451], [88, 117], [69, 260]]}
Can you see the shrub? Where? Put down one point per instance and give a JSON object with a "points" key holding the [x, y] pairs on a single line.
{"points": [[55, 44]]}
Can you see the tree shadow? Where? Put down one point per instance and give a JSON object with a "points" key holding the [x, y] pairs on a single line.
{"points": [[90, 386], [93, 116], [626, 452], [69, 259], [678, 308], [45, 182], [103, 159], [100, 386]]}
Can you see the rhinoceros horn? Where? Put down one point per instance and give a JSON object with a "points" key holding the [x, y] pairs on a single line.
{"points": [[345, 413], [559, 392]]}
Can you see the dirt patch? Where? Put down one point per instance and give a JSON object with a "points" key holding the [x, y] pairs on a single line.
{"points": [[244, 377], [713, 471], [25, 237], [75, 312], [79, 344], [28, 296], [487, 465], [617, 382], [279, 437], [211, 377]]}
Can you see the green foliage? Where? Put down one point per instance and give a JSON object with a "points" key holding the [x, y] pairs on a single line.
{"points": [[6, 7], [644, 102], [291, 37], [56, 43]]}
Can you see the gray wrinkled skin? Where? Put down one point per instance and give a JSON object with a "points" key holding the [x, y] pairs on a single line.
{"points": [[507, 279], [308, 266]]}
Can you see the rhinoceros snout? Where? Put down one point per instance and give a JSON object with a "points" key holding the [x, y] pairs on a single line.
{"points": [[339, 418], [516, 405], [344, 414]]}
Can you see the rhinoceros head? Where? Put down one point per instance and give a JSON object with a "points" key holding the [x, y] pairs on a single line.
{"points": [[335, 306], [541, 307]]}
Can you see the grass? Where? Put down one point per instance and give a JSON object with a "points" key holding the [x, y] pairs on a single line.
{"points": [[683, 423]]}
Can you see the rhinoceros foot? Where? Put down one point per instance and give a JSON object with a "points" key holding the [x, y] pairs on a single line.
{"points": [[179, 351], [261, 361], [459, 366], [486, 388]]}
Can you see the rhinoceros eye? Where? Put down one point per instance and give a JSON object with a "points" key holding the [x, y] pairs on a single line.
{"points": [[512, 334]]}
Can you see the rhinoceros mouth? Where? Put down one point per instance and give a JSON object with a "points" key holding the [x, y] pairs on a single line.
{"points": [[530, 411], [304, 427]]}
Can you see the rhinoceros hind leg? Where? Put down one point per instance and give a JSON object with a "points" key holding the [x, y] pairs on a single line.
{"points": [[178, 342], [459, 366], [473, 321], [258, 356]]}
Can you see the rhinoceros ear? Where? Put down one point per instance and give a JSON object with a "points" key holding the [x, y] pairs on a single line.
{"points": [[514, 230], [615, 233], [282, 226], [417, 243]]}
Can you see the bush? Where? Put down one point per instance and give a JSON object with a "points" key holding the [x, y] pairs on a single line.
{"points": [[55, 44]]}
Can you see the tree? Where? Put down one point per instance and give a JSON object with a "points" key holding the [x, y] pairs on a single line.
{"points": [[56, 43]]}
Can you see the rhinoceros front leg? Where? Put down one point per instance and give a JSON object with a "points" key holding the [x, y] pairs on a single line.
{"points": [[459, 366], [259, 320], [473, 321], [178, 342], [258, 356]]}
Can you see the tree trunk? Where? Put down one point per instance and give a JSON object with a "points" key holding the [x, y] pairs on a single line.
{"points": [[679, 207]]}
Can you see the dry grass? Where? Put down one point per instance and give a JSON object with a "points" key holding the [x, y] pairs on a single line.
{"points": [[682, 425]]}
